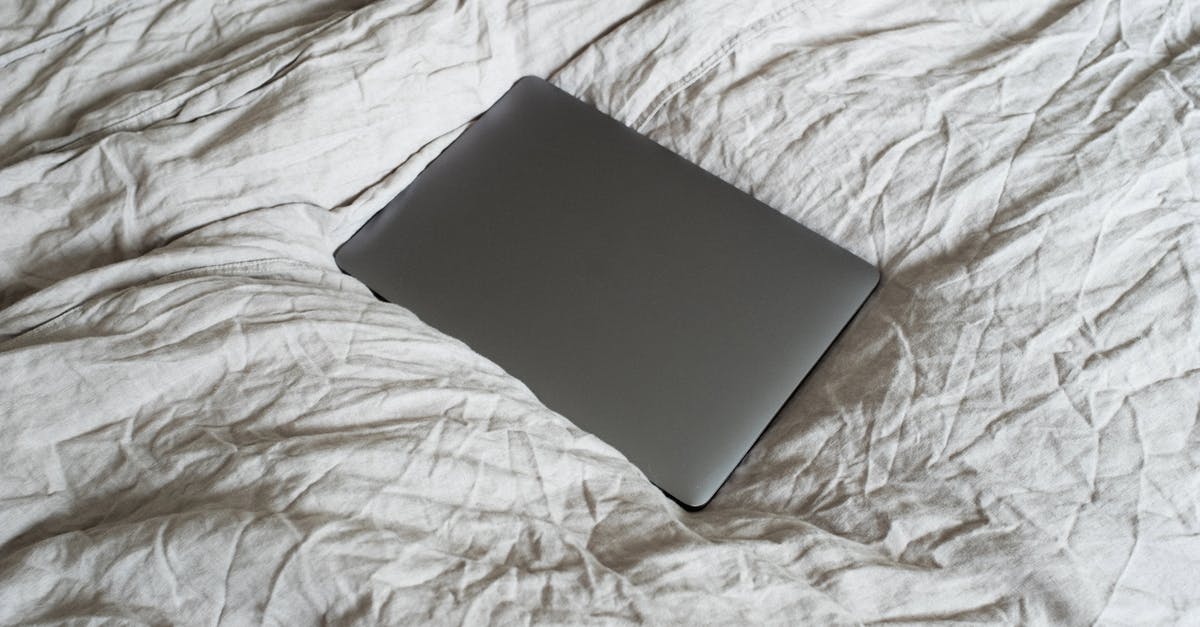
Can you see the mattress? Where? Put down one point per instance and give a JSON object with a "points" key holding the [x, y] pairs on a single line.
{"points": [[204, 421]]}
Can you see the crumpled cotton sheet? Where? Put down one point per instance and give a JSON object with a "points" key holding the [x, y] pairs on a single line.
{"points": [[205, 422]]}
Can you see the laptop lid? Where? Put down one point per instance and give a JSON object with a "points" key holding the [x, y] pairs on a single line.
{"points": [[639, 296]]}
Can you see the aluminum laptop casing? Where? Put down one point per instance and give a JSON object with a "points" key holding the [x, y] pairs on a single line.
{"points": [[639, 296]]}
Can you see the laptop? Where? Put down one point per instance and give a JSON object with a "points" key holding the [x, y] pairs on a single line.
{"points": [[653, 305]]}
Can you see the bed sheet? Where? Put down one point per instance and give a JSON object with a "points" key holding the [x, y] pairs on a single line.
{"points": [[205, 422]]}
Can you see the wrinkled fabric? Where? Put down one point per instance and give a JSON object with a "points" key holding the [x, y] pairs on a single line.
{"points": [[206, 422]]}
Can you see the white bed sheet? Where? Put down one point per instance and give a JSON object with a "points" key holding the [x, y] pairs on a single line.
{"points": [[205, 422]]}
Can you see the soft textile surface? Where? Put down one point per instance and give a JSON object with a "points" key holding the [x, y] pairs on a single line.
{"points": [[205, 422]]}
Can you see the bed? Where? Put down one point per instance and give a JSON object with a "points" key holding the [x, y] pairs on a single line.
{"points": [[205, 422]]}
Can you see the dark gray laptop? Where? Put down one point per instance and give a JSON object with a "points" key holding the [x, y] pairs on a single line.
{"points": [[639, 296]]}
